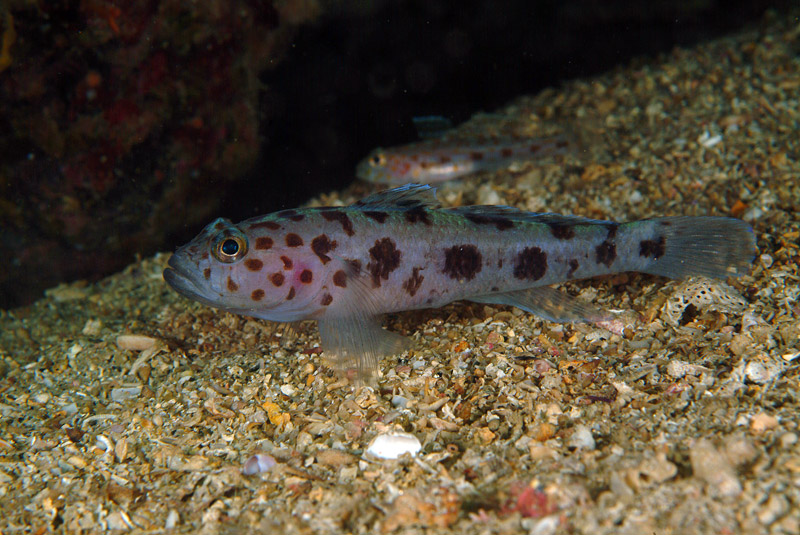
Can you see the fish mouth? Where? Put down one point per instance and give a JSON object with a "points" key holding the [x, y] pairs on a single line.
{"points": [[182, 279]]}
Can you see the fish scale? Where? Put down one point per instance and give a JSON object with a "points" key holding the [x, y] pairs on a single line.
{"points": [[397, 250]]}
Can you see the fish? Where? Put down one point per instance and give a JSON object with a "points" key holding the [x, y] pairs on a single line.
{"points": [[434, 161], [399, 250]]}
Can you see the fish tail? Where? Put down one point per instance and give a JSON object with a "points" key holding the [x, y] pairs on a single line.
{"points": [[715, 247]]}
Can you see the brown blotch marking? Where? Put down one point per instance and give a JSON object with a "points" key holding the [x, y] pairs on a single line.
{"points": [[327, 299], [263, 243], [377, 215], [417, 214], [412, 284], [219, 226], [652, 248], [322, 245], [561, 231], [291, 214], [277, 279], [506, 153], [340, 279], [530, 264], [502, 223], [254, 264], [207, 273], [257, 295], [342, 218], [494, 289], [500, 262], [561, 144], [573, 267], [534, 148], [293, 240], [462, 262], [445, 159], [384, 258], [425, 164], [271, 225], [204, 256], [612, 231], [287, 262], [476, 156], [232, 286], [354, 265], [306, 276], [291, 293], [606, 253]]}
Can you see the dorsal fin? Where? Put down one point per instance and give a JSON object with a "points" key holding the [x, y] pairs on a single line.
{"points": [[515, 214], [405, 197]]}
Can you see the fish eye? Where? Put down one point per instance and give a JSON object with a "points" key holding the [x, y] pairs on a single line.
{"points": [[230, 247], [378, 159]]}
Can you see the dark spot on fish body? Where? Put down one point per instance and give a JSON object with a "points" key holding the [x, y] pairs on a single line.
{"points": [[340, 279], [294, 240], [306, 276], [257, 295], [377, 215], [425, 164], [494, 289], [219, 226], [207, 273], [271, 225], [500, 263], [232, 286], [606, 253], [530, 264], [263, 243], [277, 279], [254, 264], [462, 262], [204, 256], [291, 293], [342, 218], [445, 159], [573, 267], [476, 156], [417, 215], [562, 231], [322, 245], [612, 231], [502, 223], [534, 148], [290, 214], [412, 284], [327, 299], [384, 258], [506, 153], [354, 266], [287, 262], [652, 248], [561, 144]]}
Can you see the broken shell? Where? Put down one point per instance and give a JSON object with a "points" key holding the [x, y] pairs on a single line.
{"points": [[393, 445], [258, 463]]}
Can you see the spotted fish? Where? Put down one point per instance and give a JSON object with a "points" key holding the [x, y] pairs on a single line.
{"points": [[398, 250], [434, 161]]}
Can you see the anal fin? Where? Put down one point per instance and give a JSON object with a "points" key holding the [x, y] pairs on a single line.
{"points": [[548, 303]]}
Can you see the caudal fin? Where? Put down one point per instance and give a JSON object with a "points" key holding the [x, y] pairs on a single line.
{"points": [[715, 247]]}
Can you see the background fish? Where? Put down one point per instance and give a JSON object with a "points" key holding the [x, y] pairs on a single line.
{"points": [[397, 250]]}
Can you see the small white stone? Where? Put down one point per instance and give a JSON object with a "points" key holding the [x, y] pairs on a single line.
{"points": [[582, 438], [172, 519], [125, 393], [393, 445], [135, 342], [258, 463], [288, 390]]}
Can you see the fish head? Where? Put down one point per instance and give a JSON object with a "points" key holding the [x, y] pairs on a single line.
{"points": [[235, 268], [383, 166]]}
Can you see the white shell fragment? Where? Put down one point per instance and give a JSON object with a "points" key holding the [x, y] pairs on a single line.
{"points": [[135, 342], [703, 294], [258, 463], [393, 445]]}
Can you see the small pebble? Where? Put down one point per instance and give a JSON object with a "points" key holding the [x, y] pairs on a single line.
{"points": [[393, 445], [135, 342], [581, 438], [258, 463], [712, 467], [125, 393], [762, 422]]}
